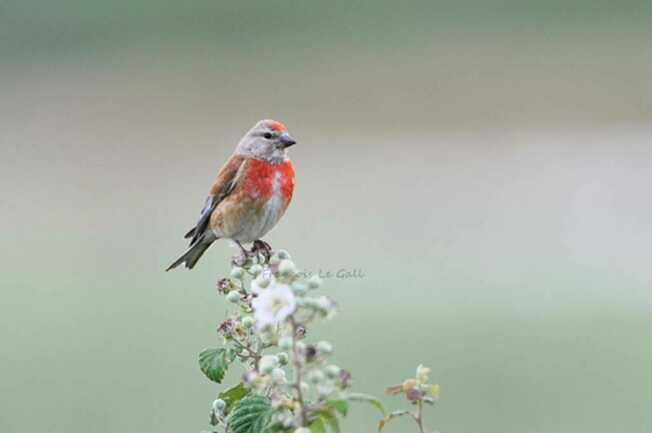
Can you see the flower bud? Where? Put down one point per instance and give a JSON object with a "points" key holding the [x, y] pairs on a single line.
{"points": [[285, 343], [310, 352], [282, 358], [278, 375], [233, 296], [237, 273], [248, 322], [219, 405], [332, 371], [299, 289], [287, 268], [256, 270], [314, 282], [267, 363], [316, 376], [249, 378], [324, 390], [324, 348], [422, 374]]}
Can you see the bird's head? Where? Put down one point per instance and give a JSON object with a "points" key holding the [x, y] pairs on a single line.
{"points": [[267, 140]]}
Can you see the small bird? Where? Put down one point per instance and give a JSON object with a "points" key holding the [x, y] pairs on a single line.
{"points": [[250, 195]]}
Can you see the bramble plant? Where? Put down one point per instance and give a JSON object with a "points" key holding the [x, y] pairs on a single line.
{"points": [[289, 385], [417, 391]]}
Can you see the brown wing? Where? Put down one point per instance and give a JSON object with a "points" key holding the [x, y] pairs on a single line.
{"points": [[224, 184]]}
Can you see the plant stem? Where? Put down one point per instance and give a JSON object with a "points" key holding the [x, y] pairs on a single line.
{"points": [[253, 354], [418, 417], [298, 374]]}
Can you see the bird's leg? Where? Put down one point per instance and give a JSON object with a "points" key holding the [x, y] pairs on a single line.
{"points": [[241, 260], [263, 248]]}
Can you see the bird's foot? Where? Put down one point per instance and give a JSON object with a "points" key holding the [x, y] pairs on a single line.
{"points": [[242, 258], [263, 248], [259, 248], [239, 260]]}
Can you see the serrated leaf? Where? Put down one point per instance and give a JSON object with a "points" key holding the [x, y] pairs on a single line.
{"points": [[277, 427], [213, 363], [341, 406], [250, 415], [383, 422], [366, 398], [233, 395]]}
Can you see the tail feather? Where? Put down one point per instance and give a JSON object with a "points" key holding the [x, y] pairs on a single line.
{"points": [[190, 233], [192, 254]]}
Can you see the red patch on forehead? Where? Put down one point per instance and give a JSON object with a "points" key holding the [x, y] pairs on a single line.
{"points": [[278, 126]]}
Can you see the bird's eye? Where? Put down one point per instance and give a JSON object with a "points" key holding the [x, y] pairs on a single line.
{"points": [[267, 135]]}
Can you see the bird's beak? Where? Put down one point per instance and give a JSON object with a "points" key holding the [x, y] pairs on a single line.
{"points": [[286, 140]]}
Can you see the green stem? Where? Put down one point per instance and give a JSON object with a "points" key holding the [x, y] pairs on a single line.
{"points": [[298, 374]]}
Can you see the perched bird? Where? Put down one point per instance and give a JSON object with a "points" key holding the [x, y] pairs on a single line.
{"points": [[250, 195]]}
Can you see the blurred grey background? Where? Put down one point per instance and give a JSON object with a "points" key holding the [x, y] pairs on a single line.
{"points": [[484, 164]]}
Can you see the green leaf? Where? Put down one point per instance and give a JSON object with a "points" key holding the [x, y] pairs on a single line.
{"points": [[213, 363], [366, 398], [330, 419], [318, 426], [326, 417], [250, 415], [383, 422], [277, 427], [233, 395], [341, 406]]}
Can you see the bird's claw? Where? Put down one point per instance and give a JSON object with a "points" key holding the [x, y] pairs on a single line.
{"points": [[262, 247], [259, 248]]}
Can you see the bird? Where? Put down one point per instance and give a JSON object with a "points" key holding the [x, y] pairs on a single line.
{"points": [[252, 191]]}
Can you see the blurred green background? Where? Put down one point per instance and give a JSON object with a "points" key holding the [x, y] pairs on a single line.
{"points": [[486, 164]]}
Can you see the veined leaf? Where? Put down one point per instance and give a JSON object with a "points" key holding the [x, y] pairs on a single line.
{"points": [[325, 417], [330, 419], [341, 406], [250, 415], [366, 398], [214, 363], [232, 396], [318, 426]]}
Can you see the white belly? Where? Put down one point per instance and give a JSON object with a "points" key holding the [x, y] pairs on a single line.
{"points": [[258, 225]]}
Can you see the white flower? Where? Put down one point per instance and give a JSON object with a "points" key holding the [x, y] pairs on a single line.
{"points": [[273, 305], [262, 281]]}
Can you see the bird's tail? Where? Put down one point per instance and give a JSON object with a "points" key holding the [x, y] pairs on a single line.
{"points": [[192, 254]]}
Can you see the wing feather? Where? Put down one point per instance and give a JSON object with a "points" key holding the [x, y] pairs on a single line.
{"points": [[227, 179]]}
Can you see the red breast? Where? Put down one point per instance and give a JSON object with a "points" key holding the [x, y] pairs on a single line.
{"points": [[262, 178]]}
